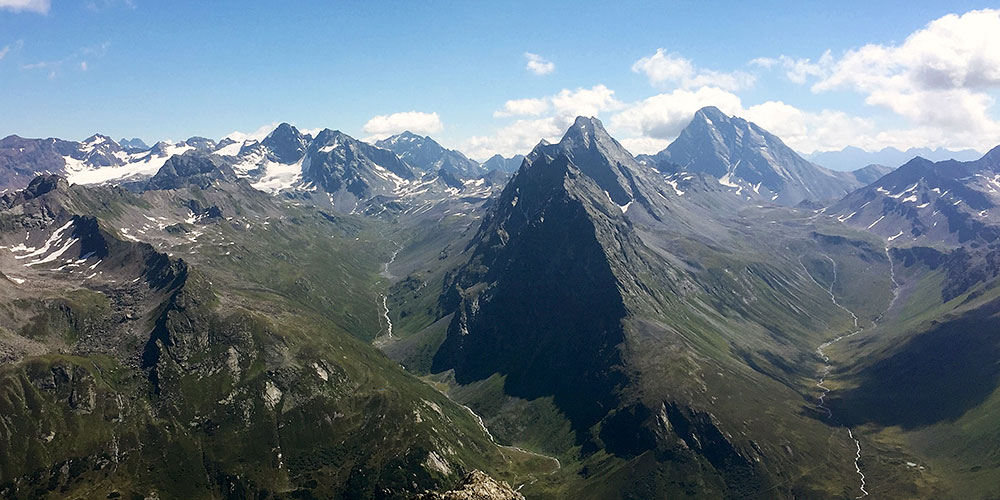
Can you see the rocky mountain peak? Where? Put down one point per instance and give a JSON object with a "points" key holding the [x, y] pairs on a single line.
{"points": [[428, 155], [286, 143], [192, 168], [45, 184], [752, 161]]}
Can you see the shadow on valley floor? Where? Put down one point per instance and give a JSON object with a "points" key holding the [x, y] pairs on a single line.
{"points": [[937, 375]]}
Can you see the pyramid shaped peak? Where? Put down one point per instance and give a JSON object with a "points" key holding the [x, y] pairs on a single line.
{"points": [[711, 112], [284, 129], [589, 125]]}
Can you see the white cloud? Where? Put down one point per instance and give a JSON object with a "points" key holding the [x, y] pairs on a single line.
{"points": [[644, 145], [807, 132], [663, 67], [256, 135], [669, 68], [522, 107], [764, 62], [663, 116], [555, 114], [650, 125], [517, 138], [11, 47], [539, 65], [568, 104], [800, 70], [939, 79], [382, 126], [310, 131], [83, 65], [39, 6]]}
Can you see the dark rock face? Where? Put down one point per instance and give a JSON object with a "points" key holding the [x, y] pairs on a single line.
{"points": [[286, 143], [44, 184], [190, 169], [541, 232]]}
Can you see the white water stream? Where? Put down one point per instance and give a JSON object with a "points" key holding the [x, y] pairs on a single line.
{"points": [[827, 367]]}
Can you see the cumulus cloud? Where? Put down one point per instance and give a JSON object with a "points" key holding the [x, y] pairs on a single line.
{"points": [[669, 68], [39, 6], [651, 124], [663, 116], [256, 135], [940, 79], [950, 53], [522, 107], [806, 131], [553, 115], [538, 65], [382, 126], [517, 138], [940, 82]]}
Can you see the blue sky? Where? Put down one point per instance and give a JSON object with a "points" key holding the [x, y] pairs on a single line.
{"points": [[169, 70]]}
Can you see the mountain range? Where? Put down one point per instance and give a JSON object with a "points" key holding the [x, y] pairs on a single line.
{"points": [[851, 158], [314, 316]]}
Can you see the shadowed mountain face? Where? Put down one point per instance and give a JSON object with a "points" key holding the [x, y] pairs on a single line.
{"points": [[937, 376], [285, 143], [540, 282], [192, 168]]}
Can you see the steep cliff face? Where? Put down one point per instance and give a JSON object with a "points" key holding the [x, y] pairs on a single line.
{"points": [[539, 300]]}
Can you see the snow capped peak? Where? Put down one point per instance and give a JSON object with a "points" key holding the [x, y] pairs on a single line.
{"points": [[95, 141]]}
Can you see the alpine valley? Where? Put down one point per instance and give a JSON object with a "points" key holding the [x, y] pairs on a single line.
{"points": [[315, 316]]}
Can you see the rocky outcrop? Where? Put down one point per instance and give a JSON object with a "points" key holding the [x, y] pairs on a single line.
{"points": [[194, 169], [476, 485]]}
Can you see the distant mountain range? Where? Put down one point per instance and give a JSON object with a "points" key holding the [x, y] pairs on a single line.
{"points": [[852, 158], [921, 202]]}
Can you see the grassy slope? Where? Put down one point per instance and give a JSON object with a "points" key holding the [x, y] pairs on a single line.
{"points": [[303, 289]]}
